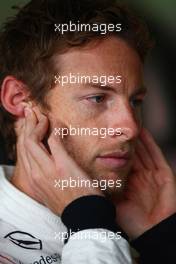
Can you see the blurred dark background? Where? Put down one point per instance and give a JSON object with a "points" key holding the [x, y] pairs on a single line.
{"points": [[160, 69], [160, 72]]}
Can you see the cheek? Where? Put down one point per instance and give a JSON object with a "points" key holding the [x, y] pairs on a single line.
{"points": [[83, 145], [87, 112], [68, 111], [81, 149]]}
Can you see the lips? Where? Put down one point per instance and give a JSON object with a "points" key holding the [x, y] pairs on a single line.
{"points": [[115, 159], [124, 155]]}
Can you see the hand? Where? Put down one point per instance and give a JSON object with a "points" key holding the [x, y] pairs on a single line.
{"points": [[150, 196], [42, 169]]}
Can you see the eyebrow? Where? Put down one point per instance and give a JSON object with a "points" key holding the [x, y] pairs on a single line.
{"points": [[100, 86], [141, 90]]}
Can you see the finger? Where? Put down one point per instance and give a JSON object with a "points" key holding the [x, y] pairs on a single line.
{"points": [[41, 128], [37, 112], [30, 121], [36, 125], [144, 156], [137, 164], [21, 149], [19, 125], [42, 157], [56, 145], [36, 173], [32, 143], [153, 149]]}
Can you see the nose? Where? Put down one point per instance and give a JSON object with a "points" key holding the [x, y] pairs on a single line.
{"points": [[126, 121]]}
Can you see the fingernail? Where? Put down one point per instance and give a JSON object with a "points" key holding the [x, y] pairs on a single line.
{"points": [[27, 111]]}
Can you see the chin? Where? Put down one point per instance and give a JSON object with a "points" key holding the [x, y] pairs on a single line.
{"points": [[115, 181], [113, 175], [114, 193]]}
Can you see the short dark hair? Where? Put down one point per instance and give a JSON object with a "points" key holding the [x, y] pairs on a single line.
{"points": [[28, 44]]}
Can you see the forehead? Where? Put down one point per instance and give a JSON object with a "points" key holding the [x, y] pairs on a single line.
{"points": [[108, 57], [111, 55]]}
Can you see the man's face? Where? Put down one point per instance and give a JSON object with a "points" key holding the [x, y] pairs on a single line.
{"points": [[95, 106]]}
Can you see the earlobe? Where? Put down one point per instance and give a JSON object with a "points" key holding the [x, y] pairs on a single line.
{"points": [[14, 96]]}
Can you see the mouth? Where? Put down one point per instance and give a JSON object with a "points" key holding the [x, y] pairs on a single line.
{"points": [[115, 159]]}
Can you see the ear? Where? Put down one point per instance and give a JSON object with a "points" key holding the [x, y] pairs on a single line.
{"points": [[14, 96]]}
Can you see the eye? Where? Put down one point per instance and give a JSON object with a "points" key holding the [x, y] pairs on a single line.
{"points": [[136, 102], [96, 99]]}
